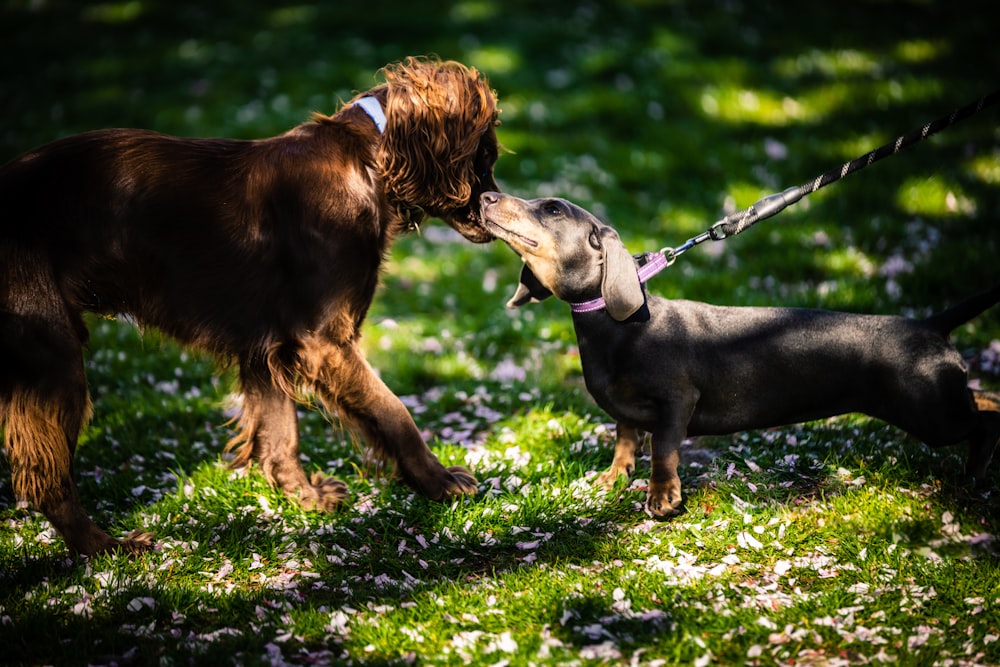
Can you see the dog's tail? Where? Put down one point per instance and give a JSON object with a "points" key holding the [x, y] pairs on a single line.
{"points": [[947, 320]]}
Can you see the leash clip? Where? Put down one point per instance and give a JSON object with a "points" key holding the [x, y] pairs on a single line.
{"points": [[717, 232], [669, 254]]}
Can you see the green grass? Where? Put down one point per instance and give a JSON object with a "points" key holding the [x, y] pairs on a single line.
{"points": [[835, 542]]}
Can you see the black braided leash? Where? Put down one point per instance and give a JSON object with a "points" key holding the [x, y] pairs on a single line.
{"points": [[737, 222]]}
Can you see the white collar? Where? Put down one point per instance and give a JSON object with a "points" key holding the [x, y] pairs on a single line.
{"points": [[373, 108]]}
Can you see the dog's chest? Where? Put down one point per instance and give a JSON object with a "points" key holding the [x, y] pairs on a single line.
{"points": [[614, 380]]}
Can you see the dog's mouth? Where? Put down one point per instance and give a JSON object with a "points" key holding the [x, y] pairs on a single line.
{"points": [[508, 235], [469, 223]]}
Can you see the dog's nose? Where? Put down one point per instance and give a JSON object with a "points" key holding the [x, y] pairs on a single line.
{"points": [[488, 198]]}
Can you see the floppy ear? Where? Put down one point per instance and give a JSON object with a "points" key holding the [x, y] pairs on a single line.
{"points": [[620, 285], [436, 114], [529, 290]]}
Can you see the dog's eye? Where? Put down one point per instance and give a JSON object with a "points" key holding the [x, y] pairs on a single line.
{"points": [[552, 208], [594, 239]]}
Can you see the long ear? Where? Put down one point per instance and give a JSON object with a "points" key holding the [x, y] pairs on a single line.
{"points": [[620, 285], [529, 290], [436, 113]]}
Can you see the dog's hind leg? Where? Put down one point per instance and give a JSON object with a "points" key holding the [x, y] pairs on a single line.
{"points": [[986, 401], [933, 402], [984, 439], [626, 445], [43, 393], [269, 436], [349, 387]]}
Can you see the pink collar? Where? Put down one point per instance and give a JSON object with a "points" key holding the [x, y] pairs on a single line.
{"points": [[655, 263]]}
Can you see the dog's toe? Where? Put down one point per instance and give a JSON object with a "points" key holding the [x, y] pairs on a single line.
{"points": [[607, 479], [659, 511]]}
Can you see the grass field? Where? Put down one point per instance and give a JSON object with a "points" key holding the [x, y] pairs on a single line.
{"points": [[831, 543]]}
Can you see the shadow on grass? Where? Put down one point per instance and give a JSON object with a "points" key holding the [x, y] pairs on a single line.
{"points": [[389, 551]]}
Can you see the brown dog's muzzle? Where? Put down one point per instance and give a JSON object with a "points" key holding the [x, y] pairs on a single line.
{"points": [[468, 222]]}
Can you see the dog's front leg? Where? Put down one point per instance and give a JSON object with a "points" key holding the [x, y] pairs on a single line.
{"points": [[269, 436], [626, 445], [349, 387], [663, 500]]}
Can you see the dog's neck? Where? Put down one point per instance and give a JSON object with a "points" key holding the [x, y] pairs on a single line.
{"points": [[649, 264], [410, 216], [593, 329], [373, 108]]}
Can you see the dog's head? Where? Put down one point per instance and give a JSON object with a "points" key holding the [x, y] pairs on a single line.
{"points": [[566, 251], [439, 144]]}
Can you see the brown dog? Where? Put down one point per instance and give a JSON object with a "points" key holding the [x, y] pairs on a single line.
{"points": [[683, 368], [266, 253]]}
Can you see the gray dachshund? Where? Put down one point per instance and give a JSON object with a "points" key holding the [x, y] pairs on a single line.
{"points": [[681, 368]]}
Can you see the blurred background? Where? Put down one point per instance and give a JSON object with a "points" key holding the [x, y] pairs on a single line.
{"points": [[660, 116]]}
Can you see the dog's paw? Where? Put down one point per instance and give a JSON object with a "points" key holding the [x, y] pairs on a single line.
{"points": [[607, 479], [459, 482], [440, 483], [663, 510], [91, 541], [135, 543], [324, 493], [664, 503]]}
